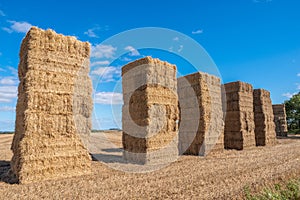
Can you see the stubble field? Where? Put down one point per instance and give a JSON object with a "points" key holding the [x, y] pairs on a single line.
{"points": [[223, 175]]}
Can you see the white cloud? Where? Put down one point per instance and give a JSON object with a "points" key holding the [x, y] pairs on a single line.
{"points": [[133, 51], [91, 33], [107, 74], [7, 29], [100, 63], [2, 13], [288, 94], [19, 27], [176, 38], [7, 108], [126, 59], [8, 81], [108, 98], [180, 48], [13, 71], [298, 74], [103, 51], [298, 86], [197, 31], [8, 93]]}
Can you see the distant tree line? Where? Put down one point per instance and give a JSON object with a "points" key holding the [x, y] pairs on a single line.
{"points": [[292, 107], [6, 132]]}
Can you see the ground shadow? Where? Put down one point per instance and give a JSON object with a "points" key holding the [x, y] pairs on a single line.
{"points": [[293, 137], [112, 150], [5, 173], [108, 158]]}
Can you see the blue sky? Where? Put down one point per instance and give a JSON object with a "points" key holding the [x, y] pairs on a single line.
{"points": [[255, 41]]}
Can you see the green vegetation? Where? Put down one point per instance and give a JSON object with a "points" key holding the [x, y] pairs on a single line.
{"points": [[293, 114], [290, 191]]}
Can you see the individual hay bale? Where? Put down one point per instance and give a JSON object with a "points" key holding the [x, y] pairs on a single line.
{"points": [[263, 117], [201, 115], [239, 120], [54, 95], [150, 111], [280, 120]]}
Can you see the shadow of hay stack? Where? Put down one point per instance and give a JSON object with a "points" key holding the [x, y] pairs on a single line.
{"points": [[5, 173]]}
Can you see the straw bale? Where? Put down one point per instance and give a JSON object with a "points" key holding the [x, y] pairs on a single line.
{"points": [[280, 120], [201, 116], [150, 111], [53, 114], [263, 117], [239, 122]]}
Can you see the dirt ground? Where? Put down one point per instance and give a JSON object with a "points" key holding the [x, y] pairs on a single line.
{"points": [[220, 176]]}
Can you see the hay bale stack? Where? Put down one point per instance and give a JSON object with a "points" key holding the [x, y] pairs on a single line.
{"points": [[263, 117], [280, 120], [239, 121], [201, 116], [54, 96], [150, 111]]}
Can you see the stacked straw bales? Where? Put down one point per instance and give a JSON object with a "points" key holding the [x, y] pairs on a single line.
{"points": [[150, 111], [280, 120], [54, 96], [239, 121], [264, 119], [201, 116]]}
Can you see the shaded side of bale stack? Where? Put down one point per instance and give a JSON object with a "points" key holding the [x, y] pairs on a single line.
{"points": [[239, 120], [201, 116], [263, 117], [54, 91], [280, 120], [150, 111]]}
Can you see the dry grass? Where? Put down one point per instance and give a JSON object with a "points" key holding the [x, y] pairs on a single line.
{"points": [[219, 176]]}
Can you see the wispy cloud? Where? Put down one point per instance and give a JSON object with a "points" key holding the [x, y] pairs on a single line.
{"points": [[125, 59], [91, 33], [107, 74], [108, 98], [197, 31], [7, 108], [100, 63], [8, 81], [176, 38], [8, 93], [180, 48], [133, 51], [103, 51], [19, 27], [298, 74], [261, 1], [13, 71], [288, 94], [2, 14]]}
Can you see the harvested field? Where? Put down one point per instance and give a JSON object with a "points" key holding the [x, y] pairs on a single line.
{"points": [[219, 176]]}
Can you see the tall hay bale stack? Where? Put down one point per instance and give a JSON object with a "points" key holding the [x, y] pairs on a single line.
{"points": [[54, 94], [263, 117], [239, 120], [280, 120], [201, 116], [150, 111]]}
